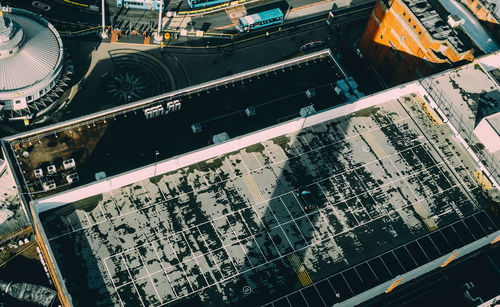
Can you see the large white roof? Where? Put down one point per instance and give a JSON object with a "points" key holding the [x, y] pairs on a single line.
{"points": [[39, 55]]}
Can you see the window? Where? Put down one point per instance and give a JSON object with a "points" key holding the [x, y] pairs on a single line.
{"points": [[478, 6], [409, 19], [29, 98], [404, 13], [414, 26], [419, 32], [18, 101]]}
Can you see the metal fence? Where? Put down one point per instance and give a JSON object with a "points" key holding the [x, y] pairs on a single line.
{"points": [[464, 126]]}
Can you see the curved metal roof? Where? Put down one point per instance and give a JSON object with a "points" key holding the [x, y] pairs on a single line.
{"points": [[39, 54]]}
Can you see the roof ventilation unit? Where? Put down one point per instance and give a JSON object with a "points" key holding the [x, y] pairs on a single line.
{"points": [[70, 163], [154, 111], [220, 138], [250, 111], [51, 169], [306, 111], [72, 178], [100, 176], [49, 185], [310, 93], [196, 127], [38, 173], [173, 106]]}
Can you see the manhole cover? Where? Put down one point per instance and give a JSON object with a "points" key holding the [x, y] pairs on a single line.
{"points": [[365, 148], [247, 289]]}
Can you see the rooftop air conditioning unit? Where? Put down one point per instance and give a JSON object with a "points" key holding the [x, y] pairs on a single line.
{"points": [[100, 175], [49, 185], [220, 138], [70, 163], [196, 127], [454, 21], [153, 112], [310, 93], [72, 178], [306, 111], [51, 169], [173, 106], [38, 173], [250, 111]]}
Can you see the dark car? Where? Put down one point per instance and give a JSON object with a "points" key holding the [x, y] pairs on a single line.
{"points": [[307, 199]]}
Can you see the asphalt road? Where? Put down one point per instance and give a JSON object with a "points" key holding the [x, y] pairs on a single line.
{"points": [[60, 14]]}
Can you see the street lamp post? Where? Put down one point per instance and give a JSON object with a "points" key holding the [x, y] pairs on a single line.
{"points": [[157, 36], [103, 32], [156, 160]]}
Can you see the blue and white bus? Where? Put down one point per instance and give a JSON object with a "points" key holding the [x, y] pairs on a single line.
{"points": [[259, 20], [139, 4], [204, 3]]}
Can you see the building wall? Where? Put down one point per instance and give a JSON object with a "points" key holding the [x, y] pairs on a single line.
{"points": [[400, 48], [480, 11], [488, 135]]}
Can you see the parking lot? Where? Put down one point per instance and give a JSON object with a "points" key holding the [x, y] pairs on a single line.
{"points": [[394, 191]]}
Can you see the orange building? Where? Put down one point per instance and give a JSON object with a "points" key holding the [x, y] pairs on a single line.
{"points": [[485, 13], [481, 10], [408, 39]]}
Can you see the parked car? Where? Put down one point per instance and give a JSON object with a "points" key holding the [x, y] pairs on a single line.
{"points": [[307, 199]]}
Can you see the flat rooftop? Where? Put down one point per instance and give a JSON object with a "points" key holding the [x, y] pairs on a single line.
{"points": [[124, 139], [394, 188], [466, 95]]}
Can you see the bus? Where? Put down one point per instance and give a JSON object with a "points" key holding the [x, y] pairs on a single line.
{"points": [[259, 20], [204, 3], [139, 4]]}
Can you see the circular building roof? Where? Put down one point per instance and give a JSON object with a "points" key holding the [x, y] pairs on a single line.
{"points": [[30, 49]]}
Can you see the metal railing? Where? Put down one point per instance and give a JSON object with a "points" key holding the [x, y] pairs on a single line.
{"points": [[464, 126]]}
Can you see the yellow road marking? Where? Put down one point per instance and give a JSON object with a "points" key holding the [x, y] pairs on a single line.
{"points": [[253, 188], [483, 180], [76, 3], [300, 270], [430, 112]]}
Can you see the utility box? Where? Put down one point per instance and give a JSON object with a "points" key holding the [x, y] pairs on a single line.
{"points": [[220, 138], [310, 93], [196, 127], [250, 111], [306, 111]]}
